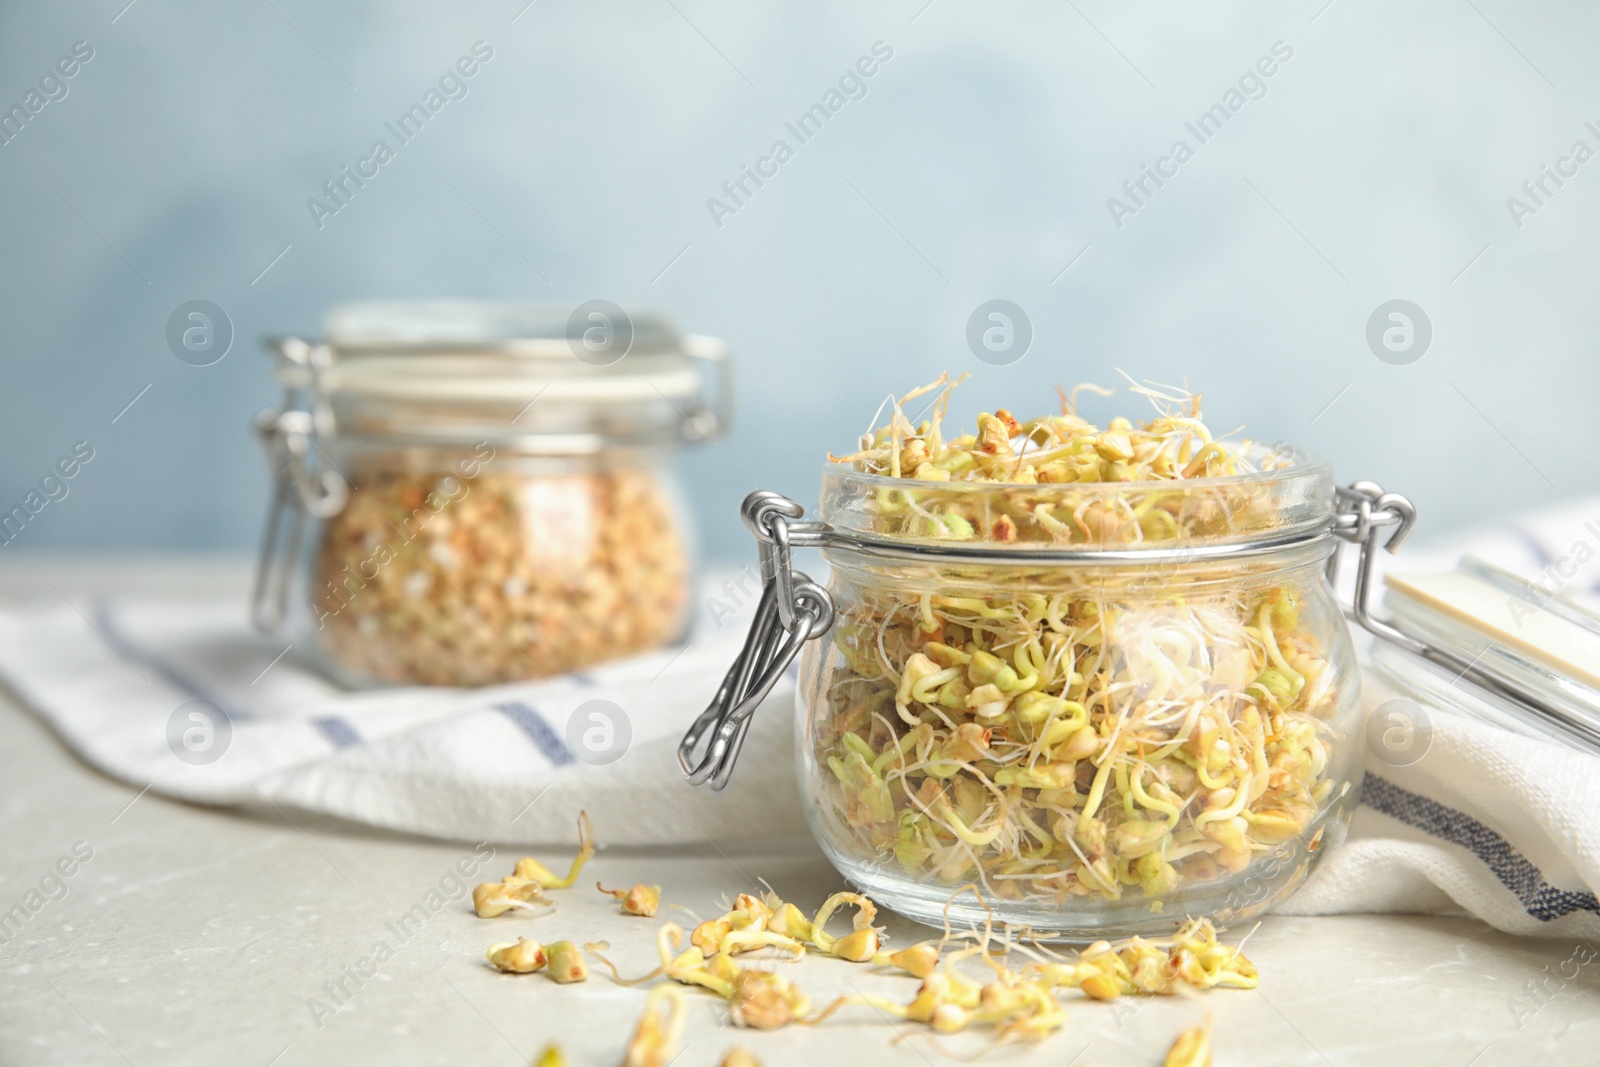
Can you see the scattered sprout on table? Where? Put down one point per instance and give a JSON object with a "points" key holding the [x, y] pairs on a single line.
{"points": [[758, 999], [640, 900], [526, 884], [770, 922], [518, 957], [861, 944], [566, 963], [918, 961], [949, 1001], [1021, 1003], [765, 1000], [496, 898], [1192, 1048], [552, 1056], [1018, 1004], [655, 1041], [1193, 957]]}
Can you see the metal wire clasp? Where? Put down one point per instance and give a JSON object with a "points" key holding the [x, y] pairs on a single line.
{"points": [[793, 610], [301, 484], [1361, 510]]}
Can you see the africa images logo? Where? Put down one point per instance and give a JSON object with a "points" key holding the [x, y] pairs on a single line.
{"points": [[1252, 85], [452, 85], [852, 85], [52, 87]]}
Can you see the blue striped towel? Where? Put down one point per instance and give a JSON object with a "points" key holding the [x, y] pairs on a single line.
{"points": [[182, 698], [1488, 822]]}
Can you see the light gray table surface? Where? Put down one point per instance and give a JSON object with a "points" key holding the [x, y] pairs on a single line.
{"points": [[206, 936]]}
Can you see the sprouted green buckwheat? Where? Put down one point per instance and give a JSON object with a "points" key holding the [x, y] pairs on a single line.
{"points": [[1060, 733]]}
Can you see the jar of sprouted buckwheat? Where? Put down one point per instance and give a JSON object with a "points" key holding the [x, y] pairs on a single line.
{"points": [[1088, 680], [468, 494]]}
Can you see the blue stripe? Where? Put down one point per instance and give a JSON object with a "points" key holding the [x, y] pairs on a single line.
{"points": [[539, 732], [106, 623], [338, 732], [1516, 872]]}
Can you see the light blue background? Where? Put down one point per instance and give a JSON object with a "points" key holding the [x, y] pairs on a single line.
{"points": [[1377, 166]]}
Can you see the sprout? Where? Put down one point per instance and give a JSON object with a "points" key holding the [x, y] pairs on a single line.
{"points": [[749, 913], [566, 963], [749, 940], [919, 960], [496, 898], [1192, 1048], [707, 937], [757, 999], [519, 957], [655, 1041], [764, 1001], [526, 884], [861, 945], [869, 796], [858, 946], [688, 967], [640, 900], [789, 921], [531, 869]]}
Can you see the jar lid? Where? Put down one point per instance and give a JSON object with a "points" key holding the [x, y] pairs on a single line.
{"points": [[1531, 653], [552, 379]]}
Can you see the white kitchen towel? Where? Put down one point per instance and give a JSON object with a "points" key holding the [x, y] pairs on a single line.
{"points": [[1501, 826], [180, 696], [1487, 822]]}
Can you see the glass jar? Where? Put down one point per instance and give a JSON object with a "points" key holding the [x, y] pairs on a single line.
{"points": [[469, 494], [1106, 707]]}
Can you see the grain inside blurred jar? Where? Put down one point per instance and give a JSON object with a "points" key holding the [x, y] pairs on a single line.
{"points": [[484, 493]]}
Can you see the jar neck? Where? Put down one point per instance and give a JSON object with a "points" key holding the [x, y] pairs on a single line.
{"points": [[1183, 569]]}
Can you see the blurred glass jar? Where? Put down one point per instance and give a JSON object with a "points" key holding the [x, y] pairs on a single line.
{"points": [[467, 494]]}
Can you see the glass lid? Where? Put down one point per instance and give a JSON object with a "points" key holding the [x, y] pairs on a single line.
{"points": [[560, 378], [1529, 648]]}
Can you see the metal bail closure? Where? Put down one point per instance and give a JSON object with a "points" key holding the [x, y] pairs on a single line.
{"points": [[1363, 508], [793, 610], [301, 487]]}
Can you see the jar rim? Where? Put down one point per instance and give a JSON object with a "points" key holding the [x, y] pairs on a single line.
{"points": [[836, 546], [1287, 499]]}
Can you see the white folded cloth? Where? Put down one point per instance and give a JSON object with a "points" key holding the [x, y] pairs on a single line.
{"points": [[1487, 822], [121, 681]]}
